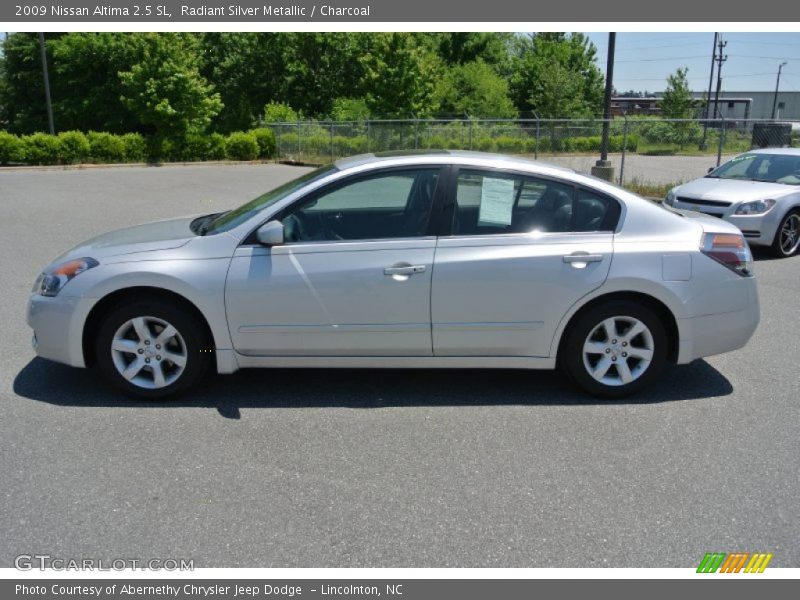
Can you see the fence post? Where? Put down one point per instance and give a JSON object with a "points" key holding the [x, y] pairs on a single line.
{"points": [[416, 133], [331, 128], [721, 140], [278, 140], [624, 147], [536, 144], [470, 134], [299, 133], [369, 128]]}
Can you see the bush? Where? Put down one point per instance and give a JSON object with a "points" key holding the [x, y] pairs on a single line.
{"points": [[215, 149], [10, 148], [266, 142], [280, 112], [241, 146], [350, 109], [73, 147], [41, 149], [486, 144], [513, 145], [105, 147], [135, 147]]}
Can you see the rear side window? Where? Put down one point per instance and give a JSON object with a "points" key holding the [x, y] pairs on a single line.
{"points": [[489, 202]]}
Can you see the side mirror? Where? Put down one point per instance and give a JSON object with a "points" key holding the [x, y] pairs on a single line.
{"points": [[270, 234]]}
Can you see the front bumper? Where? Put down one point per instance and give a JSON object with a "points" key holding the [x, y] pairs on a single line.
{"points": [[758, 230], [57, 325]]}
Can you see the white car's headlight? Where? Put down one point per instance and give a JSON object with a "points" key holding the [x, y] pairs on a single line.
{"points": [[56, 277], [670, 198], [757, 207]]}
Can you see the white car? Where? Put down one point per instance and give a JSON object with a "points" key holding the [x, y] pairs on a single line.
{"points": [[757, 191], [438, 259]]}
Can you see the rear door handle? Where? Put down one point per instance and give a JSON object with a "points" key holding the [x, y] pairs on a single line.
{"points": [[578, 257], [409, 270]]}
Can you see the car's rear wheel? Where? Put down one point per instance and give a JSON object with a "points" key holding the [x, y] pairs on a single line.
{"points": [[150, 349], [615, 349], [787, 238]]}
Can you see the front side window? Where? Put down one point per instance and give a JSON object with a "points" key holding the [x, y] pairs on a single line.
{"points": [[489, 202], [394, 204]]}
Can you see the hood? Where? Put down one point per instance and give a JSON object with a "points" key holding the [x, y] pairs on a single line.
{"points": [[160, 235], [733, 190]]}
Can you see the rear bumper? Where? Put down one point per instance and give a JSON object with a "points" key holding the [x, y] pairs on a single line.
{"points": [[712, 334]]}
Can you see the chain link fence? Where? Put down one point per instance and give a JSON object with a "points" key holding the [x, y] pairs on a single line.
{"points": [[646, 152]]}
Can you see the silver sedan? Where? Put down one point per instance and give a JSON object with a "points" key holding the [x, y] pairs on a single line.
{"points": [[438, 259], [757, 191]]}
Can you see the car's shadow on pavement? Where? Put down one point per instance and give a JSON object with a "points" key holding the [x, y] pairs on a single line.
{"points": [[363, 388]]}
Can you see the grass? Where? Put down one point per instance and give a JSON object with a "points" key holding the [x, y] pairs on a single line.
{"points": [[648, 189]]}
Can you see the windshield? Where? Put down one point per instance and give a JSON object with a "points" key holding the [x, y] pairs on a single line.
{"points": [[772, 168], [233, 218]]}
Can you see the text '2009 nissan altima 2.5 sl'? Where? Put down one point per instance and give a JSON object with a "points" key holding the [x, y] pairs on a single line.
{"points": [[438, 259]]}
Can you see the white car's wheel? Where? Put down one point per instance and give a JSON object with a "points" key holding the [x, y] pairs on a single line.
{"points": [[151, 349], [615, 349], [787, 238]]}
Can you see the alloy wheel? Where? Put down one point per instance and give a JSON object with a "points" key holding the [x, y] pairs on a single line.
{"points": [[790, 235], [618, 350], [149, 352]]}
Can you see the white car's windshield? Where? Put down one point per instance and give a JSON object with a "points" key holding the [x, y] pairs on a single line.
{"points": [[772, 168], [228, 220]]}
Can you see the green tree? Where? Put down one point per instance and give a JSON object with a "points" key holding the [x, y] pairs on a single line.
{"points": [[84, 77], [678, 103], [319, 67], [165, 89], [350, 109], [398, 77], [555, 75], [22, 103], [474, 89], [247, 69]]}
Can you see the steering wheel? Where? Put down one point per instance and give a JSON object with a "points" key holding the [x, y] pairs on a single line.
{"points": [[293, 230]]}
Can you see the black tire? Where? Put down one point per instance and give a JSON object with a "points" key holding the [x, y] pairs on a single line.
{"points": [[194, 339], [571, 356], [776, 248]]}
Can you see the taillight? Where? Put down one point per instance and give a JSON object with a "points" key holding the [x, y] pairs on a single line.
{"points": [[729, 249]]}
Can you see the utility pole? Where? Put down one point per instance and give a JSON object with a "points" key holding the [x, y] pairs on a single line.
{"points": [[603, 168], [720, 59], [777, 85], [703, 144], [46, 77]]}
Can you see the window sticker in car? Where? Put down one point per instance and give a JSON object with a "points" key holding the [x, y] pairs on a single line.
{"points": [[497, 201]]}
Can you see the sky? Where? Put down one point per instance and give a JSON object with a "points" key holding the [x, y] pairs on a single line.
{"points": [[643, 60]]}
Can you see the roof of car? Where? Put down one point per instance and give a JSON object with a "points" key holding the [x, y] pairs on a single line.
{"points": [[788, 151], [444, 156]]}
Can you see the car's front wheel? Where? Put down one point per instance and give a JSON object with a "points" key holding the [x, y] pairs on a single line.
{"points": [[787, 238], [151, 349], [615, 349]]}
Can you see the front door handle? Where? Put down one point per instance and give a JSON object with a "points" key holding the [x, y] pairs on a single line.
{"points": [[582, 257], [409, 270]]}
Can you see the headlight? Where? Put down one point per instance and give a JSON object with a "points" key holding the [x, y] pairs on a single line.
{"points": [[55, 278], [670, 199], [756, 207]]}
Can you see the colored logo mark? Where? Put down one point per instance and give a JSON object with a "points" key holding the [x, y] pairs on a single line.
{"points": [[735, 562]]}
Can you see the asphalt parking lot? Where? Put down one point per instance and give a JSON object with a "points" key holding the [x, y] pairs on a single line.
{"points": [[321, 468]]}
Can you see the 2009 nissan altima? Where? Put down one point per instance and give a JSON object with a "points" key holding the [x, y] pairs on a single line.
{"points": [[437, 259]]}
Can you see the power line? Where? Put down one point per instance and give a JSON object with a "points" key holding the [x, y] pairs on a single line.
{"points": [[660, 59]]}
